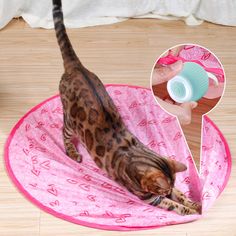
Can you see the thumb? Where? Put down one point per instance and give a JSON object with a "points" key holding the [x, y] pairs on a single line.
{"points": [[186, 116]]}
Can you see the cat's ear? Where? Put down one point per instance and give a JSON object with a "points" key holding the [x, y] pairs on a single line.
{"points": [[177, 166]]}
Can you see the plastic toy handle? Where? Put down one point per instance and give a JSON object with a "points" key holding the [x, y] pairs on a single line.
{"points": [[214, 78]]}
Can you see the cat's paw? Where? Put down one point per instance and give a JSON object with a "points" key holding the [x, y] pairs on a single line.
{"points": [[188, 211], [75, 156], [192, 212], [196, 206], [79, 158]]}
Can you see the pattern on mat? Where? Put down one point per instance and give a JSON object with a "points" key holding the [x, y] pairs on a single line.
{"points": [[83, 192], [206, 58]]}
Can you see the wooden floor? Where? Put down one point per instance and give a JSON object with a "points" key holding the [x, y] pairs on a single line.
{"points": [[30, 68]]}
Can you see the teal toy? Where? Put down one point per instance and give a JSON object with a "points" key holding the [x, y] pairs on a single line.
{"points": [[191, 84]]}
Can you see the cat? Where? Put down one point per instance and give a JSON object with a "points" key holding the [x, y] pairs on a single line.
{"points": [[91, 116]]}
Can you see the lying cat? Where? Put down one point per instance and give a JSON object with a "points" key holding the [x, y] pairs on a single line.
{"points": [[91, 116]]}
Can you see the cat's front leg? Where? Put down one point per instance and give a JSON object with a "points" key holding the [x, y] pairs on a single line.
{"points": [[179, 197], [170, 205]]}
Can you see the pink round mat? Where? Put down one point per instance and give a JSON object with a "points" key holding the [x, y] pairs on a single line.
{"points": [[82, 194]]}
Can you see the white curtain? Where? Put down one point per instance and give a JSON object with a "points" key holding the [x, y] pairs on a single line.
{"points": [[82, 13]]}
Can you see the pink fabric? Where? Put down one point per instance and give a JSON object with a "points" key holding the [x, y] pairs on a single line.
{"points": [[197, 54], [81, 193]]}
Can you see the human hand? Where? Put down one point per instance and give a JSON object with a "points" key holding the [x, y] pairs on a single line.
{"points": [[215, 91], [162, 73], [182, 111]]}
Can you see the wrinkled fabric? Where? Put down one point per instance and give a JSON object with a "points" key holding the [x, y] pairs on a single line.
{"points": [[82, 13], [199, 55], [82, 193]]}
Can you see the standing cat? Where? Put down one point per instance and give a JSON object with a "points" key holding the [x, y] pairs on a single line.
{"points": [[91, 116]]}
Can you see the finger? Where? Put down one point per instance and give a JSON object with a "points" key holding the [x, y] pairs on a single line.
{"points": [[165, 73], [188, 106], [187, 113], [194, 104], [169, 101]]}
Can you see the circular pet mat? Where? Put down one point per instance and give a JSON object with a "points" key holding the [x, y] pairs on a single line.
{"points": [[82, 193]]}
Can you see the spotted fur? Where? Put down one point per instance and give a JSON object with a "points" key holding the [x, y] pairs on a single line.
{"points": [[91, 116]]}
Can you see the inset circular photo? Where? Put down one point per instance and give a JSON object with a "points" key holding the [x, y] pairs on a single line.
{"points": [[187, 79]]}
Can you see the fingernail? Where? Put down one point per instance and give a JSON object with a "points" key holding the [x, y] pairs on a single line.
{"points": [[194, 105]]}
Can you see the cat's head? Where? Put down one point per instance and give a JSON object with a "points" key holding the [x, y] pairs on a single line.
{"points": [[160, 181]]}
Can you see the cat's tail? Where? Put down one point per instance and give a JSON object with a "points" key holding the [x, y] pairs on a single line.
{"points": [[70, 59]]}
